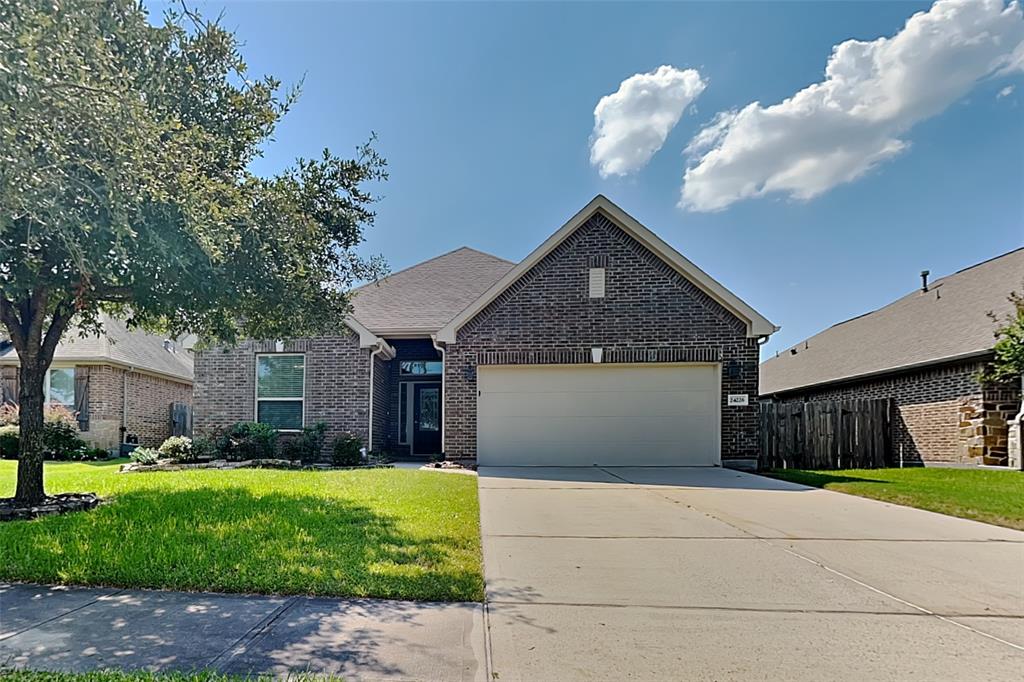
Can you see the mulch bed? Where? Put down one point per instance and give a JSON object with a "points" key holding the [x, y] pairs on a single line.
{"points": [[53, 504], [223, 464]]}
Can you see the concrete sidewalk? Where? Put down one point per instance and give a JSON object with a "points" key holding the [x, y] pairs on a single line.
{"points": [[78, 629]]}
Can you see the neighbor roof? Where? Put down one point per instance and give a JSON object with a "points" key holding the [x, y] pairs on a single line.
{"points": [[948, 321], [423, 298], [120, 346]]}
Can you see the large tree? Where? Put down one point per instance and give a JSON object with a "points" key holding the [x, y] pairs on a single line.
{"points": [[124, 187]]}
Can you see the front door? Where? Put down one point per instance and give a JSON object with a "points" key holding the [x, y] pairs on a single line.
{"points": [[426, 418]]}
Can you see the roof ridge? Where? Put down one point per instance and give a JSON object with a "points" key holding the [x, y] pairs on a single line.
{"points": [[429, 260]]}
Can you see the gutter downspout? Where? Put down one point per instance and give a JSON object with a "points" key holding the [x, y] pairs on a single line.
{"points": [[373, 356], [124, 404], [444, 389]]}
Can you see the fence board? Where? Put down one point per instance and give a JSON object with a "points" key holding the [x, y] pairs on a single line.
{"points": [[826, 434]]}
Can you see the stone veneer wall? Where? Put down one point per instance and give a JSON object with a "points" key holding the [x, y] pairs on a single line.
{"points": [[336, 391], [649, 313], [942, 412]]}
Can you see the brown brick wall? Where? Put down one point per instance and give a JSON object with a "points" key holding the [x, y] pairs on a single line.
{"points": [[149, 404], [381, 403], [650, 313], [336, 391], [933, 408]]}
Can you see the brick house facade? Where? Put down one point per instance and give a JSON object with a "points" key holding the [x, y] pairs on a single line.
{"points": [[926, 352], [943, 413], [125, 381], [337, 384], [651, 314], [655, 310]]}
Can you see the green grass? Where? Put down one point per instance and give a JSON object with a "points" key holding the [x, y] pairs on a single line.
{"points": [[388, 533], [982, 495]]}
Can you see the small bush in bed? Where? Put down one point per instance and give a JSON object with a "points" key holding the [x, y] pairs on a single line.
{"points": [[248, 440], [347, 451]]}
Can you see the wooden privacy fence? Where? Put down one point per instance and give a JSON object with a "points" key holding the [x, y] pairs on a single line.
{"points": [[181, 419], [826, 434]]}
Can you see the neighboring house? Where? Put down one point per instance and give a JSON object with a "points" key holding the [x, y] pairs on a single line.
{"points": [[120, 382], [604, 345], [925, 351]]}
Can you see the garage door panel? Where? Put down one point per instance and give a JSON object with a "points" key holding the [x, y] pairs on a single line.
{"points": [[542, 378], [654, 415], [671, 428], [598, 403]]}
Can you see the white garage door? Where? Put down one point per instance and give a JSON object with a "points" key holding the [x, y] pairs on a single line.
{"points": [[580, 415]]}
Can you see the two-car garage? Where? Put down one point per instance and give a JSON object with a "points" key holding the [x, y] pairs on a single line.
{"points": [[605, 414]]}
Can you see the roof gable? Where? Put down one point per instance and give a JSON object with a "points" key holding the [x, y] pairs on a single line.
{"points": [[422, 298], [756, 324], [947, 322]]}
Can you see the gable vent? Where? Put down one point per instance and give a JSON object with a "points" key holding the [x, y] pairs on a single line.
{"points": [[596, 282]]}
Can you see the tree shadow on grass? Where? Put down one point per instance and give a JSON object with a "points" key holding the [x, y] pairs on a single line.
{"points": [[228, 539]]}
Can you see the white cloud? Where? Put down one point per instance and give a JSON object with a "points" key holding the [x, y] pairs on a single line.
{"points": [[873, 92], [631, 125], [1005, 92]]}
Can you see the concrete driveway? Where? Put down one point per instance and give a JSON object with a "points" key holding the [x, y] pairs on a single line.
{"points": [[711, 574]]}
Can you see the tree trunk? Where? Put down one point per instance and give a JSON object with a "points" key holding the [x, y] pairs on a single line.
{"points": [[30, 440]]}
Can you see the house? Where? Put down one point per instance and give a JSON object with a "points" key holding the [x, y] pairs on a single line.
{"points": [[924, 351], [604, 345], [120, 382]]}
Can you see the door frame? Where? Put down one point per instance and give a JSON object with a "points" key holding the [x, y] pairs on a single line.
{"points": [[717, 366], [410, 409]]}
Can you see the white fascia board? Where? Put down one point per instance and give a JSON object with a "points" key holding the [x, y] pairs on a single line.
{"points": [[368, 339], [757, 325]]}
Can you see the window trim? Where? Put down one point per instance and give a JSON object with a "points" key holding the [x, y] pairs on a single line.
{"points": [[256, 390], [46, 385]]}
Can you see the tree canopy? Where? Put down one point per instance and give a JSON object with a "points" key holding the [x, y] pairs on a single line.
{"points": [[125, 149]]}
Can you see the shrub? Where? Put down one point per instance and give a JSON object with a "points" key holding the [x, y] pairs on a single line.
{"points": [[60, 430], [178, 448], [92, 455], [60, 433], [248, 440], [9, 441], [306, 446], [347, 451], [145, 456], [204, 448]]}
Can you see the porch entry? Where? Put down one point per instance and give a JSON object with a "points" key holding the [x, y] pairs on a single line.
{"points": [[420, 416]]}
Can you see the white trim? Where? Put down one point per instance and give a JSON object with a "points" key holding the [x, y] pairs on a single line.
{"points": [[757, 325], [368, 339], [444, 389], [256, 390]]}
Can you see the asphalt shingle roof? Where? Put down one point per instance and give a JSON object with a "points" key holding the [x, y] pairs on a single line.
{"points": [[123, 346], [424, 297], [948, 321]]}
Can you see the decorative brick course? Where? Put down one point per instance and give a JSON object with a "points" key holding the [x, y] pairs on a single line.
{"points": [[650, 313], [943, 412]]}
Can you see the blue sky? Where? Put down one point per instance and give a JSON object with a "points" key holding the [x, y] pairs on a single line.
{"points": [[485, 113]]}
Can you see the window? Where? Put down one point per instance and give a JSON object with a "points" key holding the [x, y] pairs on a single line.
{"points": [[596, 282], [420, 367], [60, 387], [280, 382]]}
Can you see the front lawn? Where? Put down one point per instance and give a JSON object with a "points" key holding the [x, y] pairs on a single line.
{"points": [[389, 533], [983, 495]]}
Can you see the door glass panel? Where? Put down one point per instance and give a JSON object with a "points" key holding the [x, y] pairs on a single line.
{"points": [[429, 409], [420, 367]]}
